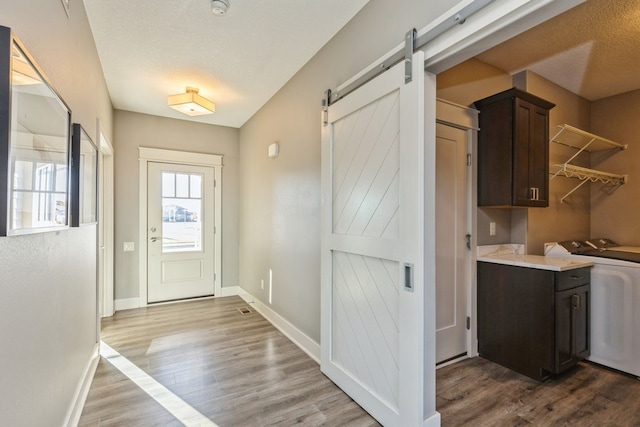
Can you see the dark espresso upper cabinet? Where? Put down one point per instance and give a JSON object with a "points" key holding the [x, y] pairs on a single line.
{"points": [[513, 150]]}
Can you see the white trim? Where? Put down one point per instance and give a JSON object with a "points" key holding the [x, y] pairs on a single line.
{"points": [[295, 335], [127, 303], [214, 161], [82, 391], [229, 291], [465, 118], [180, 157], [452, 361], [432, 421], [106, 227]]}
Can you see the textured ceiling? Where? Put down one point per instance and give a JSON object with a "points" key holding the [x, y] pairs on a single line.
{"points": [[150, 49], [592, 50]]}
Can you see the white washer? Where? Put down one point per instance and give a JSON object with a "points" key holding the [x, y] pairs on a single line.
{"points": [[615, 306]]}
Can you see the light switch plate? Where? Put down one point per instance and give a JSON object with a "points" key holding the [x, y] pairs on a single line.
{"points": [[128, 246]]}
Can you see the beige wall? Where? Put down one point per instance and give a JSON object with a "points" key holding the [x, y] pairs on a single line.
{"points": [[464, 84], [280, 210], [614, 212], [48, 280], [133, 130], [570, 219]]}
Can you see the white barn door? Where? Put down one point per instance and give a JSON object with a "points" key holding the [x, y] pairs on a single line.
{"points": [[373, 299]]}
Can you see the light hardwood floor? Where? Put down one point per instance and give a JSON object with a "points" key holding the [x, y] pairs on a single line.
{"points": [[234, 368], [238, 370]]}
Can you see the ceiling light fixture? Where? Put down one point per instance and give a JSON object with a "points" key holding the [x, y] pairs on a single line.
{"points": [[191, 103], [220, 7]]}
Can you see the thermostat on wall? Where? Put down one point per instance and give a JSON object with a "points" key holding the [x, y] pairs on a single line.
{"points": [[274, 150]]}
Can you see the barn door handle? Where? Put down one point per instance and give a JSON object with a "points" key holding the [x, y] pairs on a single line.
{"points": [[408, 277]]}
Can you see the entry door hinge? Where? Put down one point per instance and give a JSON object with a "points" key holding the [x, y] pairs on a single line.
{"points": [[468, 323], [467, 238], [468, 159], [409, 48], [326, 102]]}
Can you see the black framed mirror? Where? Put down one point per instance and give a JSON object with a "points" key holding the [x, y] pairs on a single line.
{"points": [[35, 128], [84, 178]]}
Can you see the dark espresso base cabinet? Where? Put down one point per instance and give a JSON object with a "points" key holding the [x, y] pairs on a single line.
{"points": [[533, 321]]}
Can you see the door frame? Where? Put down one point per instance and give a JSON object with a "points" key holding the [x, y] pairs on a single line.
{"points": [[158, 155], [466, 119], [106, 300]]}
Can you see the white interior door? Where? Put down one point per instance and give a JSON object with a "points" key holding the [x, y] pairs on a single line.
{"points": [[452, 253], [373, 246], [180, 234]]}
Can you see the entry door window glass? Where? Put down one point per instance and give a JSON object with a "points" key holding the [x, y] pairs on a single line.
{"points": [[181, 212]]}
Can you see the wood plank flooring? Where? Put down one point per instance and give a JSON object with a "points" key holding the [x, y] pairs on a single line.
{"points": [[234, 368], [477, 392], [238, 370]]}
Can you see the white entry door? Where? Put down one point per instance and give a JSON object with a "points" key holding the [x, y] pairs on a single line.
{"points": [[180, 234], [452, 253], [373, 280]]}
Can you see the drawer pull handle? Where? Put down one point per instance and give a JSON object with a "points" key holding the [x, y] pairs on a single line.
{"points": [[575, 277], [576, 301]]}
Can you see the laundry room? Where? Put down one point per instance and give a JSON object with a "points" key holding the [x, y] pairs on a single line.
{"points": [[585, 62], [580, 69]]}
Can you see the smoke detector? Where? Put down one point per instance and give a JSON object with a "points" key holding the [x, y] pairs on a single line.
{"points": [[220, 7]]}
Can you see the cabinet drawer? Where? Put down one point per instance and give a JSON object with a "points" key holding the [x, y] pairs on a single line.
{"points": [[572, 278]]}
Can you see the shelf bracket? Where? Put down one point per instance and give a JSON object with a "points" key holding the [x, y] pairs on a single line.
{"points": [[574, 189]]}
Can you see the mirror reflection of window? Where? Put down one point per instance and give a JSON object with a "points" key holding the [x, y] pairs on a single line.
{"points": [[39, 144]]}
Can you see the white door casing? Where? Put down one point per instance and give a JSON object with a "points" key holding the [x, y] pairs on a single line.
{"points": [[180, 239], [105, 227], [151, 155], [452, 211], [373, 244]]}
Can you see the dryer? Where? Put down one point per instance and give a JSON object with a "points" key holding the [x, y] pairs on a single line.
{"points": [[615, 299]]}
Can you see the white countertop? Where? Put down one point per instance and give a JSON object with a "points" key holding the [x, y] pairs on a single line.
{"points": [[512, 255]]}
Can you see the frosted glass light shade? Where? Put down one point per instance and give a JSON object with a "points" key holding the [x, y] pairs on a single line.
{"points": [[191, 103]]}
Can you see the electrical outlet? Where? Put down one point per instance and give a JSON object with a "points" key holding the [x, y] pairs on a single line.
{"points": [[492, 229], [128, 246], [262, 284]]}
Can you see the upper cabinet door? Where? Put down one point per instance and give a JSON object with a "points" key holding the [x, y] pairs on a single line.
{"points": [[531, 155], [513, 150]]}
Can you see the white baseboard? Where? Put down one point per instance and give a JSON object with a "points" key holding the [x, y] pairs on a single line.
{"points": [[82, 391], [127, 303], [229, 291], [433, 420], [296, 336]]}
